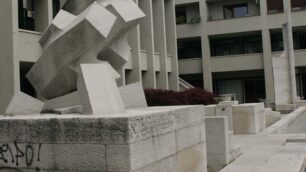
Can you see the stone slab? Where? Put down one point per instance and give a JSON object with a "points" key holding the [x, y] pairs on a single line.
{"points": [[23, 104], [133, 96], [71, 99], [99, 93], [217, 143], [249, 118]]}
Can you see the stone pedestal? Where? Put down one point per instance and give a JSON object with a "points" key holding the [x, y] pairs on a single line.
{"points": [[249, 118], [150, 139]]}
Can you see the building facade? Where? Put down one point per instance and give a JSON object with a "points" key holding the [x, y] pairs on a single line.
{"points": [[153, 58], [228, 46]]}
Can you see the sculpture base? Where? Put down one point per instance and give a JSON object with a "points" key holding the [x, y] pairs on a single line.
{"points": [[150, 139]]}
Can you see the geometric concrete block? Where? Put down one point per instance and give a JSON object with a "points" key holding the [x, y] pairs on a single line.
{"points": [[68, 110], [67, 100], [59, 23], [217, 142], [133, 95], [90, 29], [249, 118], [23, 104], [99, 93]]}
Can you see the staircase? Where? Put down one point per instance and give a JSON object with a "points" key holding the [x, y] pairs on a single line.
{"points": [[183, 85]]}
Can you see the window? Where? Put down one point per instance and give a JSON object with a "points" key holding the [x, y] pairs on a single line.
{"points": [[275, 6], [236, 45], [236, 10], [298, 4], [181, 16], [26, 14], [189, 49], [299, 40], [277, 41]]}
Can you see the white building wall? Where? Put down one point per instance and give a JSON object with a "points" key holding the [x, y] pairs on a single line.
{"points": [[258, 20]]}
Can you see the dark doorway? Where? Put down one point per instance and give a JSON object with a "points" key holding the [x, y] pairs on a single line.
{"points": [[255, 90]]}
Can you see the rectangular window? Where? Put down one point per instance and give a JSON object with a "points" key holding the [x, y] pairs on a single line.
{"points": [[298, 4], [189, 49], [275, 6], [236, 10], [236, 45], [299, 40], [181, 16], [277, 41], [26, 15]]}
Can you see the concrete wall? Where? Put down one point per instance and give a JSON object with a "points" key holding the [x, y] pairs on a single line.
{"points": [[157, 139]]}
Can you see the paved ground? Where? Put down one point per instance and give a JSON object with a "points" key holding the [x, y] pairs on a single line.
{"points": [[268, 153]]}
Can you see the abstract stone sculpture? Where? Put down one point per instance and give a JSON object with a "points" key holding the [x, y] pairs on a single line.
{"points": [[83, 48]]}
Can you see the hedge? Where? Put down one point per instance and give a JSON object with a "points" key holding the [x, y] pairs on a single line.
{"points": [[194, 96]]}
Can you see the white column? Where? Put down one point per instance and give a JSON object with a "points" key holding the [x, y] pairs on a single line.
{"points": [[160, 42], [147, 43], [267, 54], [207, 76], [171, 43], [289, 49]]}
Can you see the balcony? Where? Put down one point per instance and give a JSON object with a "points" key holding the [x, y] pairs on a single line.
{"points": [[224, 16], [190, 66], [237, 62], [188, 20], [224, 9]]}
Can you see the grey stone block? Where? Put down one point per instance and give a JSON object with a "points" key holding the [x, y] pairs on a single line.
{"points": [[217, 142], [23, 104], [133, 96], [188, 137]]}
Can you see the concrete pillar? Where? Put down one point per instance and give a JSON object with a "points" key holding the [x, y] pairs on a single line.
{"points": [[160, 42], [135, 73], [147, 43], [207, 76], [267, 54], [289, 49], [172, 44], [9, 61]]}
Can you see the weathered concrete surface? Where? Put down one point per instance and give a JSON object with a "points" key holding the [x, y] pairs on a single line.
{"points": [[249, 118], [23, 104], [268, 153], [218, 150], [98, 91], [271, 117], [149, 139]]}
